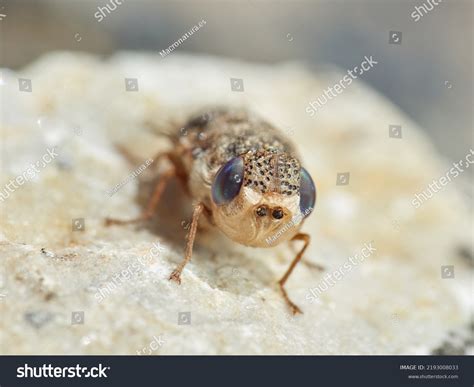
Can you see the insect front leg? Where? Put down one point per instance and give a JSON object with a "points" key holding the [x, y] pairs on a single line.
{"points": [[298, 237], [155, 197], [176, 274]]}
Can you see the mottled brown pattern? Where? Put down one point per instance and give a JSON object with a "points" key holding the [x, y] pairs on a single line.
{"points": [[271, 163], [272, 172], [288, 173]]}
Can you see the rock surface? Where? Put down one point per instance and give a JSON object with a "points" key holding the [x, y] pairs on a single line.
{"points": [[57, 286]]}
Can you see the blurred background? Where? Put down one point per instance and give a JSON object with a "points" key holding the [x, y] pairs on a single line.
{"points": [[428, 75]]}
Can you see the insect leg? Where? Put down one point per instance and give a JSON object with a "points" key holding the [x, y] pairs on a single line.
{"points": [[297, 237], [155, 197], [176, 274]]}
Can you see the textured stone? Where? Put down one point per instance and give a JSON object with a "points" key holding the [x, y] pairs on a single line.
{"points": [[391, 303]]}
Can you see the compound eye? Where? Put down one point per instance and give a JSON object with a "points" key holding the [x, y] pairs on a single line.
{"points": [[307, 193], [228, 181]]}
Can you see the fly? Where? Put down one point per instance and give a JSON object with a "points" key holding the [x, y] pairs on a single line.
{"points": [[245, 178]]}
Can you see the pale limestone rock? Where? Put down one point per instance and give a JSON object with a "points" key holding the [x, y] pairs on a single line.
{"points": [[394, 302]]}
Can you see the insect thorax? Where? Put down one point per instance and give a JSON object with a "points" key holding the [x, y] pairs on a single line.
{"points": [[271, 163]]}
